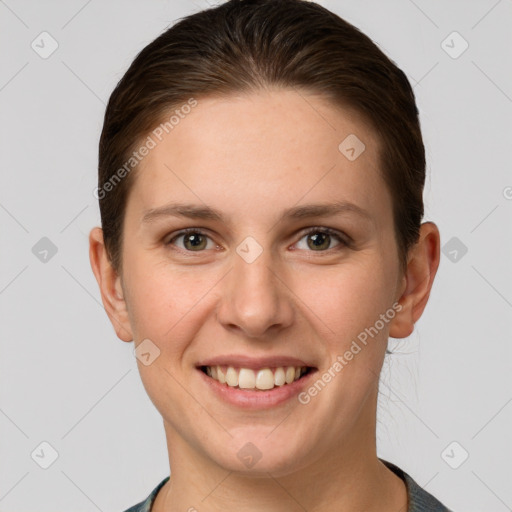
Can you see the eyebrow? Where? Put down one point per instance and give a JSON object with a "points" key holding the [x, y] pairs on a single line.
{"points": [[193, 211]]}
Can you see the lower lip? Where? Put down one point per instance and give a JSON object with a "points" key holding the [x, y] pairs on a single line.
{"points": [[249, 399]]}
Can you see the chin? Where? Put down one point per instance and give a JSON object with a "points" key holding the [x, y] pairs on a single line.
{"points": [[256, 455]]}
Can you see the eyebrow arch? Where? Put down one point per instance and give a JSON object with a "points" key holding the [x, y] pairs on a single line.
{"points": [[192, 211]]}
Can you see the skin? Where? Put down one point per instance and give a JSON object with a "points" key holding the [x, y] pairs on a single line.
{"points": [[251, 157]]}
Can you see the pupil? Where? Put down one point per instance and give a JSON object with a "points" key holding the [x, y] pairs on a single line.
{"points": [[194, 240], [319, 239]]}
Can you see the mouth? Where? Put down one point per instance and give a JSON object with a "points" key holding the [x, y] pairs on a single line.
{"points": [[256, 379]]}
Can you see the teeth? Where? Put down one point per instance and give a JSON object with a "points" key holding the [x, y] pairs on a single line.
{"points": [[279, 377], [232, 377], [246, 378], [264, 379]]}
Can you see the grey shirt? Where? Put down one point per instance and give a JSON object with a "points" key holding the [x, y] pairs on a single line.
{"points": [[419, 499]]}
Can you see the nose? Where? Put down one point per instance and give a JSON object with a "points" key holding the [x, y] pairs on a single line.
{"points": [[255, 299]]}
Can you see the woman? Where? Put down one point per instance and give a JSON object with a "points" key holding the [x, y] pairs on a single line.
{"points": [[261, 170]]}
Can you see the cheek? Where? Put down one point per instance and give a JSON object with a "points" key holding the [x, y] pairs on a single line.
{"points": [[166, 307], [162, 301], [347, 299]]}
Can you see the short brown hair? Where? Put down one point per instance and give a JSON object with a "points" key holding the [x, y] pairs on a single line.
{"points": [[246, 45]]}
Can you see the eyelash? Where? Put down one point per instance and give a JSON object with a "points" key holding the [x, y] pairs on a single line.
{"points": [[344, 240]]}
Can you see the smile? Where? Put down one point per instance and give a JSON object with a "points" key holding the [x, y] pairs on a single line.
{"points": [[262, 379]]}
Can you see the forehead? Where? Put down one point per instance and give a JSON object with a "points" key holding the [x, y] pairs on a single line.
{"points": [[263, 152]]}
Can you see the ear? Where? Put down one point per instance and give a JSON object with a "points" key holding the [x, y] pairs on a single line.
{"points": [[112, 294], [422, 264]]}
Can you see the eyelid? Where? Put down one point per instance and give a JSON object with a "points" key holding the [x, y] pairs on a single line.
{"points": [[343, 238], [330, 231], [186, 231]]}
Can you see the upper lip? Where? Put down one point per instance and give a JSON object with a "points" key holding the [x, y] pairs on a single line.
{"points": [[254, 363]]}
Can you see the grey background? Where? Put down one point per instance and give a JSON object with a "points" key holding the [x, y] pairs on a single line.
{"points": [[68, 381]]}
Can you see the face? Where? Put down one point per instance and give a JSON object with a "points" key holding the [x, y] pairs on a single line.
{"points": [[262, 282]]}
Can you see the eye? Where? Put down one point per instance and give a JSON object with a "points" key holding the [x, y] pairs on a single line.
{"points": [[194, 240], [319, 239]]}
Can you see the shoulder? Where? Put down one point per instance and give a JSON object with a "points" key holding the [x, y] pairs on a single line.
{"points": [[145, 505], [419, 499]]}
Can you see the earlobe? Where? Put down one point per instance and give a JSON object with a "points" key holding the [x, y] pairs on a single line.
{"points": [[422, 265], [109, 282]]}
